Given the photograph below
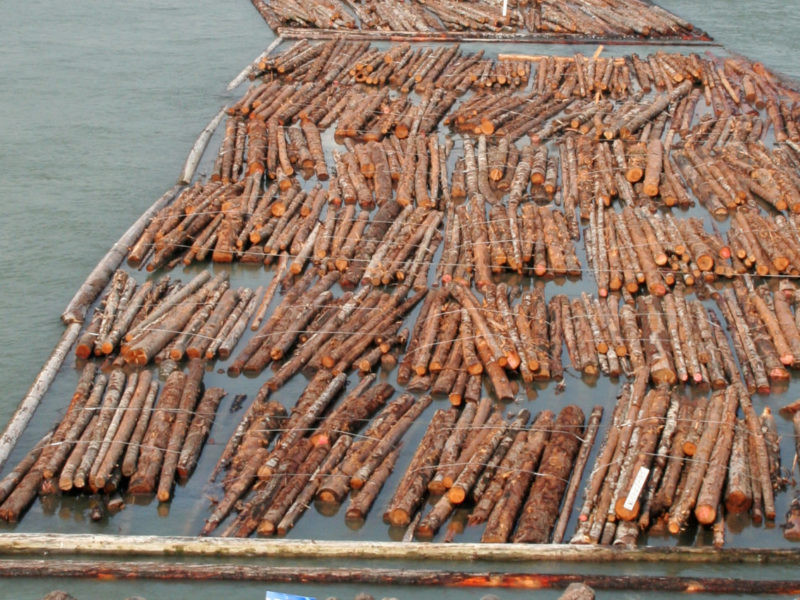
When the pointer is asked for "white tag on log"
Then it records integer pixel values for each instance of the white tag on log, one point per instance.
(636, 488)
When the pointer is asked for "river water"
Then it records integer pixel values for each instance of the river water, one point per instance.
(99, 104)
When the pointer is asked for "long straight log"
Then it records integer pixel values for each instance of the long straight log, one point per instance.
(541, 509)
(577, 473)
(185, 410)
(270, 573)
(155, 440)
(504, 514)
(27, 406)
(131, 456)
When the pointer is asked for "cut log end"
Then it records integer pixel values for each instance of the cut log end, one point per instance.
(779, 373)
(456, 495)
(705, 514)
(398, 518)
(436, 488)
(327, 497)
(626, 514)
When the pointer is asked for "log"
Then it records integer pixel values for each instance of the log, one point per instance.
(363, 500)
(196, 436)
(410, 491)
(489, 488)
(504, 515)
(649, 423)
(541, 509)
(266, 419)
(33, 397)
(472, 469)
(108, 410)
(82, 409)
(131, 456)
(156, 438)
(306, 495)
(577, 473)
(383, 447)
(359, 405)
(739, 495)
(687, 499)
(759, 461)
(319, 393)
(294, 484)
(10, 481)
(335, 486)
(237, 324)
(190, 395)
(309, 575)
(710, 493)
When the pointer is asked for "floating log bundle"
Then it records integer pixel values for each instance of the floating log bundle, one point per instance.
(586, 19)
(120, 433)
(415, 213)
(159, 320)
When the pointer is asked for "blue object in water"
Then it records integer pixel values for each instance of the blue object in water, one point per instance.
(281, 596)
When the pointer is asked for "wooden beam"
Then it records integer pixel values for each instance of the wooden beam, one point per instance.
(208, 547)
(462, 579)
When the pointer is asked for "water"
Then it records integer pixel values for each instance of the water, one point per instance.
(100, 104)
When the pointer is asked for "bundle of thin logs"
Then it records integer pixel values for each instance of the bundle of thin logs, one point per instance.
(457, 338)
(234, 218)
(334, 334)
(317, 452)
(257, 225)
(512, 474)
(160, 320)
(588, 18)
(118, 435)
(669, 460)
(731, 87)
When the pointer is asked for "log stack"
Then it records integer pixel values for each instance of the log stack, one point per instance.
(119, 433)
(593, 19)
(447, 260)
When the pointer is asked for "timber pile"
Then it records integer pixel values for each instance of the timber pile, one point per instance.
(118, 434)
(313, 455)
(162, 319)
(395, 219)
(590, 18)
(478, 458)
(667, 457)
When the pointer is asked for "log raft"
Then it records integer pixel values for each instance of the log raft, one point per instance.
(356, 257)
